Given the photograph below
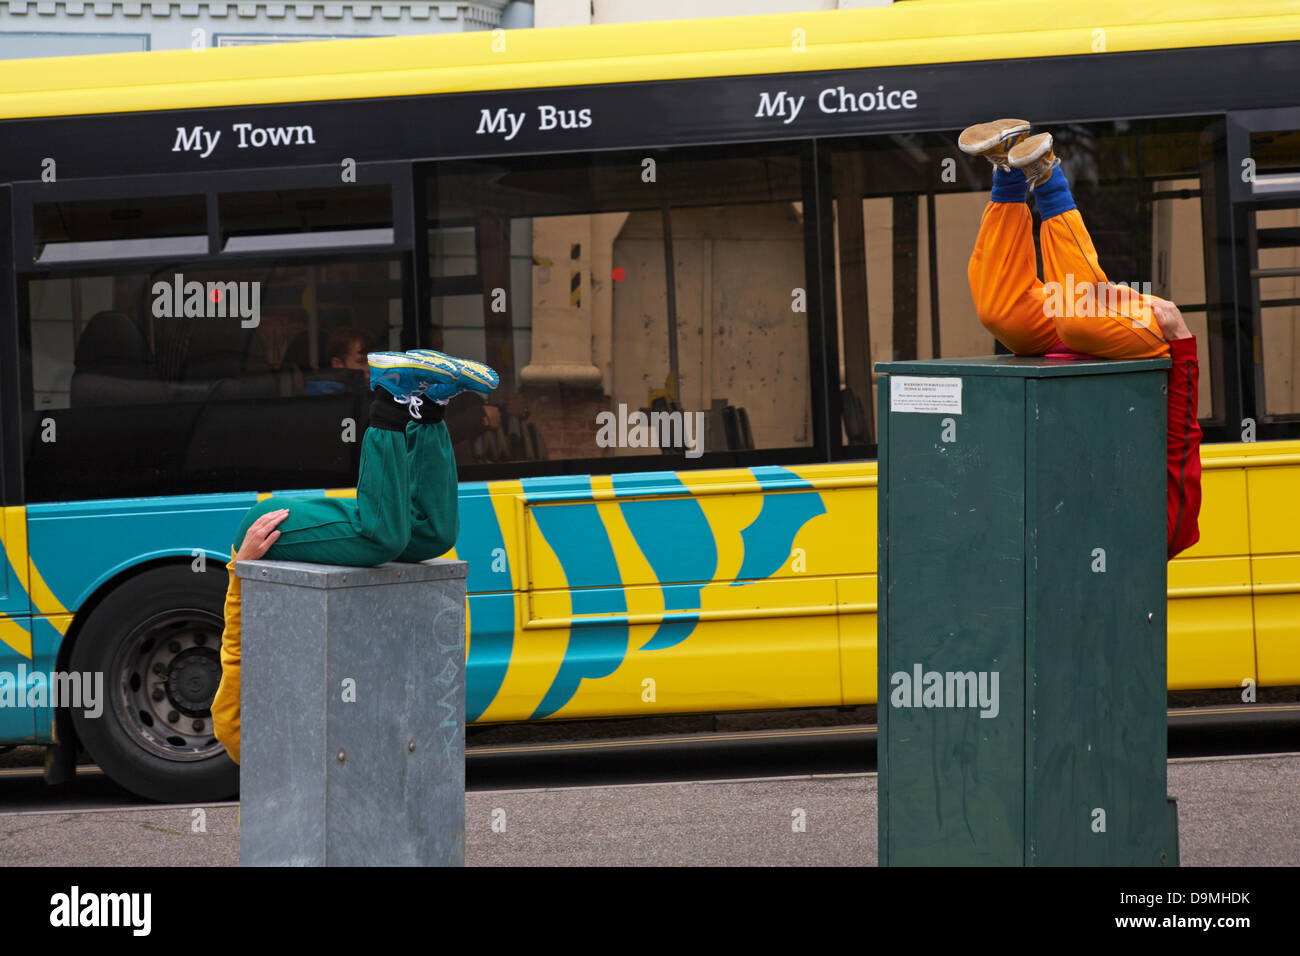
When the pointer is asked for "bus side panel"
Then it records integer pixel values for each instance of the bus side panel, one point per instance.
(1275, 570)
(76, 547)
(491, 649)
(676, 593)
(13, 562)
(858, 628)
(89, 690)
(17, 722)
(1211, 625)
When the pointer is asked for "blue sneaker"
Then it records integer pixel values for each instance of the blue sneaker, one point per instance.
(472, 376)
(407, 377)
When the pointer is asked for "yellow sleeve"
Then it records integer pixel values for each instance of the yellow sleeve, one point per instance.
(225, 705)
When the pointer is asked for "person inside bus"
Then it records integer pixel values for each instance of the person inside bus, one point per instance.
(348, 348)
(406, 506)
(1078, 313)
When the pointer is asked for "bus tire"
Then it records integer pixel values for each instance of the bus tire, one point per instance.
(156, 639)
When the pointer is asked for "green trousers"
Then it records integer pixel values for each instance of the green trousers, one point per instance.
(405, 508)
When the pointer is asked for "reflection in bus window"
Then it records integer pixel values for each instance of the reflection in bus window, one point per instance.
(907, 210)
(199, 376)
(556, 271)
(1277, 233)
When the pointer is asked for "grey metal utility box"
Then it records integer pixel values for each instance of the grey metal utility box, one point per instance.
(352, 714)
(1022, 542)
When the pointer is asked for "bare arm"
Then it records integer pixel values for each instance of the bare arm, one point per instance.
(1170, 320)
(261, 535)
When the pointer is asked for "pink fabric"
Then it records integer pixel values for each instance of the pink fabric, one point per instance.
(1062, 351)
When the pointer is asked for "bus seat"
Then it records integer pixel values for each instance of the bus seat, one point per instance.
(296, 356)
(111, 365)
(217, 349)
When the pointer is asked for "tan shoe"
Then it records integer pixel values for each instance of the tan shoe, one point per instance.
(1034, 158)
(993, 140)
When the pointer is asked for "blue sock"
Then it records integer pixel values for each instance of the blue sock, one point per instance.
(1009, 187)
(1053, 196)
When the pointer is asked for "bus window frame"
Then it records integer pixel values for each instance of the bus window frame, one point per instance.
(1243, 202)
(396, 175)
(11, 387)
(406, 178)
(25, 416)
(820, 448)
(1229, 355)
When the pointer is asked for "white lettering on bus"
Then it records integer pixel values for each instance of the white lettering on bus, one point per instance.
(497, 122)
(865, 102)
(769, 106)
(257, 137)
(567, 119)
(197, 139)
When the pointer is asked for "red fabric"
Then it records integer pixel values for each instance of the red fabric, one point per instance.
(1184, 462)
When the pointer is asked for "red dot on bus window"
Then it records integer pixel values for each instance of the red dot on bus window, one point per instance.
(619, 274)
(216, 295)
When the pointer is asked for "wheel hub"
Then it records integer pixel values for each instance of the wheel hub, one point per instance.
(192, 680)
(169, 671)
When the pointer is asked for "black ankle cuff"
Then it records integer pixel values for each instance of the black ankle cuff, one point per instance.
(387, 413)
(431, 413)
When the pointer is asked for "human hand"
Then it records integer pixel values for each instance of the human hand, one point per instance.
(1170, 320)
(261, 535)
(492, 416)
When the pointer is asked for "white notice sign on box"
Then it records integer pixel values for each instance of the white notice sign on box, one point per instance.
(910, 393)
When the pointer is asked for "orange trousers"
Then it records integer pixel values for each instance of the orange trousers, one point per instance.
(1076, 305)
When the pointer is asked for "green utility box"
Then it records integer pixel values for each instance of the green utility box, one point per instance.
(1022, 613)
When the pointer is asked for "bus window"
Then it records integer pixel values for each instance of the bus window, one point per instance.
(1275, 271)
(78, 230)
(1177, 237)
(555, 271)
(306, 218)
(1278, 238)
(907, 212)
(202, 377)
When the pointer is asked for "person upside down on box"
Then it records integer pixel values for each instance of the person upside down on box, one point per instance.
(1030, 317)
(406, 507)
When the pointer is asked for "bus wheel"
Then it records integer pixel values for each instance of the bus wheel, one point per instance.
(157, 641)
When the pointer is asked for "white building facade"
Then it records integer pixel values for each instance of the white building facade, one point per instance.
(39, 28)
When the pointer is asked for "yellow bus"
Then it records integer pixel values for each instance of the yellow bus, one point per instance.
(683, 245)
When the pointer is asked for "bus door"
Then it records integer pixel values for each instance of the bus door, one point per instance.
(16, 722)
(1264, 147)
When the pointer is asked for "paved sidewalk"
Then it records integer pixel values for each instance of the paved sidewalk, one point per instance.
(1232, 812)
